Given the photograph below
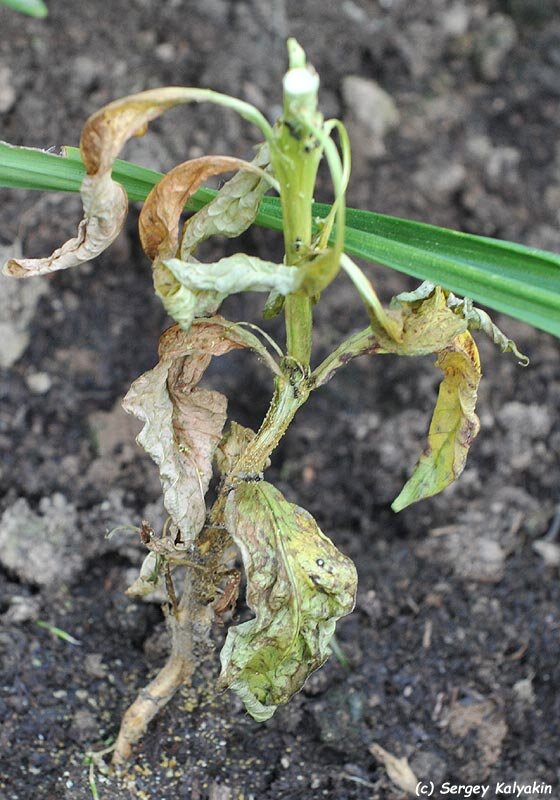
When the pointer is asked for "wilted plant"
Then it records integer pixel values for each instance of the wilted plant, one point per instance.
(298, 583)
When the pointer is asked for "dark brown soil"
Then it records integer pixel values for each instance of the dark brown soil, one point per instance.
(453, 649)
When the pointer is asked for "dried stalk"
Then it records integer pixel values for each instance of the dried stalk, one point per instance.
(189, 624)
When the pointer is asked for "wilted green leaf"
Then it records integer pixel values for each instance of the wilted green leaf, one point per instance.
(454, 424)
(299, 585)
(231, 211)
(183, 423)
(159, 233)
(237, 273)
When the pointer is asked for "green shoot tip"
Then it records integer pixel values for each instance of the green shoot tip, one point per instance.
(296, 54)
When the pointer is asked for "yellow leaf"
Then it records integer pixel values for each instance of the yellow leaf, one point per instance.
(428, 326)
(298, 585)
(454, 424)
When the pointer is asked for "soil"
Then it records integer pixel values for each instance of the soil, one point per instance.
(451, 657)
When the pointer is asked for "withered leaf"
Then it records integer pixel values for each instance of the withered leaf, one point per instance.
(232, 210)
(184, 423)
(398, 769)
(149, 578)
(159, 232)
(237, 273)
(422, 326)
(454, 423)
(479, 320)
(476, 318)
(232, 445)
(105, 208)
(161, 213)
(105, 202)
(299, 585)
(427, 325)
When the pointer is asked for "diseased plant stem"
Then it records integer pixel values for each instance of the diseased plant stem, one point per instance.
(190, 629)
(295, 159)
(295, 156)
(190, 621)
(290, 394)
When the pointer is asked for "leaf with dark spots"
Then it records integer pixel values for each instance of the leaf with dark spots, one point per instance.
(299, 585)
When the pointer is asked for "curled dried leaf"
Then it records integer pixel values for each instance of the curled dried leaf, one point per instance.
(299, 585)
(398, 769)
(159, 232)
(161, 213)
(105, 208)
(149, 579)
(184, 423)
(428, 325)
(107, 130)
(479, 320)
(105, 202)
(476, 318)
(232, 210)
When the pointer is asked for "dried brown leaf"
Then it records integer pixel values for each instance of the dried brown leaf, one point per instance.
(105, 208)
(159, 218)
(184, 423)
(105, 202)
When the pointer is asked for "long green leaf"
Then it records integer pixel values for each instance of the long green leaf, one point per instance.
(33, 8)
(520, 281)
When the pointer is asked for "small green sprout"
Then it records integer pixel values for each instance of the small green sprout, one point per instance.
(64, 635)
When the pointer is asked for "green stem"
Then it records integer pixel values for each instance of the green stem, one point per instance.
(295, 156)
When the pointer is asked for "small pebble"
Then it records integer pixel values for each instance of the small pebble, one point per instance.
(38, 382)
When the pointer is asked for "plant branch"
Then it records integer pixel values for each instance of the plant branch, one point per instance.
(189, 624)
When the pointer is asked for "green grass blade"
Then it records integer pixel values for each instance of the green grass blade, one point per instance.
(33, 8)
(64, 635)
(520, 281)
